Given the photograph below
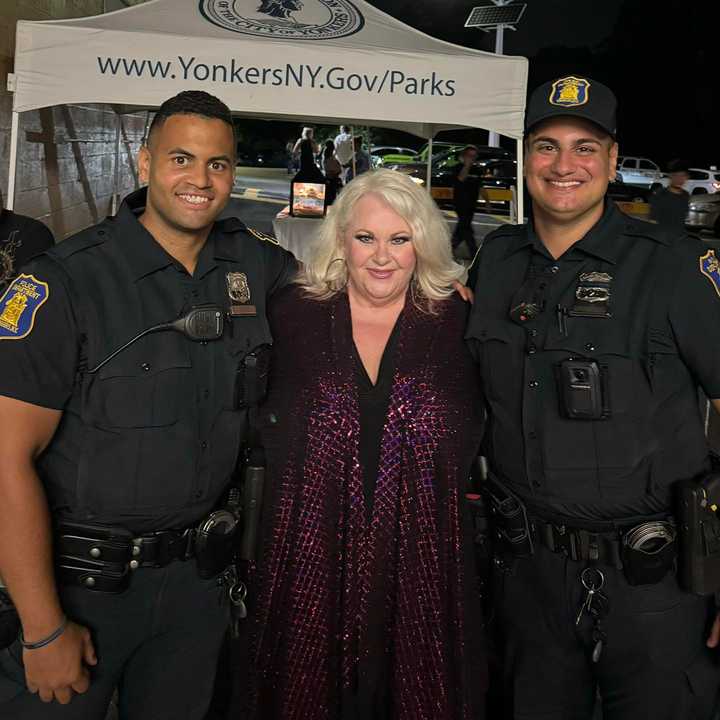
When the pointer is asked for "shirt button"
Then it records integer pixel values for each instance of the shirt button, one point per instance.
(532, 333)
(532, 435)
(533, 384)
(206, 394)
(204, 445)
(145, 367)
(589, 347)
(536, 483)
(198, 494)
(554, 269)
(532, 350)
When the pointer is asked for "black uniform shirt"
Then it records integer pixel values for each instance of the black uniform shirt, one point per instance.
(21, 238)
(670, 209)
(656, 347)
(149, 441)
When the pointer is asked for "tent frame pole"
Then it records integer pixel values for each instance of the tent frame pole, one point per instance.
(116, 179)
(12, 170)
(428, 173)
(519, 182)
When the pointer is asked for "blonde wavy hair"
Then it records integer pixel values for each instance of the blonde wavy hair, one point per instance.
(325, 273)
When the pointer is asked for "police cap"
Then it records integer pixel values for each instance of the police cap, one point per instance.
(573, 96)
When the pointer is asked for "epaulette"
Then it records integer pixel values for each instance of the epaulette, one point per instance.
(505, 231)
(262, 236)
(635, 227)
(85, 239)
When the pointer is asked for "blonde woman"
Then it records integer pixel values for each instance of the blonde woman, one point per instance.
(365, 606)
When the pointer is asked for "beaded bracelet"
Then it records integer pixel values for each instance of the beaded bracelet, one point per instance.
(45, 641)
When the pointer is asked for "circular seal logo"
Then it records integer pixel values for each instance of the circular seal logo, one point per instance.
(285, 19)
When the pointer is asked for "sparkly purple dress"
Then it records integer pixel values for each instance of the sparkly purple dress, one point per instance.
(357, 615)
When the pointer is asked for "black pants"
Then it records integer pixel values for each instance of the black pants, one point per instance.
(157, 643)
(464, 230)
(654, 664)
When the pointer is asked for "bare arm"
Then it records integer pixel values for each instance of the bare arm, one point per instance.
(26, 554)
(25, 548)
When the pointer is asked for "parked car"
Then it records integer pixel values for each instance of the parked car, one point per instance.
(640, 171)
(703, 181)
(446, 155)
(379, 152)
(499, 172)
(704, 213)
(621, 192)
(419, 156)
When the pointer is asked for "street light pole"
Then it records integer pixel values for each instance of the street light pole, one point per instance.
(500, 15)
(493, 137)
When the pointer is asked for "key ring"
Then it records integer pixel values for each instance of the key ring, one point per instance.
(237, 593)
(587, 584)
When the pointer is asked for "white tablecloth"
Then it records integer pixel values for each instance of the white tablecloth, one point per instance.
(295, 233)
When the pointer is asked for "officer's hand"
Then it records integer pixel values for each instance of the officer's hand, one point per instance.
(58, 669)
(714, 637)
(463, 291)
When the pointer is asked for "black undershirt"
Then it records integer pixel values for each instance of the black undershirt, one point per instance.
(373, 405)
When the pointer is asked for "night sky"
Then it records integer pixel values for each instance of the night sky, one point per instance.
(661, 57)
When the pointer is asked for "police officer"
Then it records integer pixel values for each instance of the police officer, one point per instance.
(113, 460)
(591, 333)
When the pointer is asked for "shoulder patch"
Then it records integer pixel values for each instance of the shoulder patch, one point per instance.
(19, 305)
(262, 236)
(710, 268)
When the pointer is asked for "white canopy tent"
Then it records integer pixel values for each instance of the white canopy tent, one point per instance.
(328, 61)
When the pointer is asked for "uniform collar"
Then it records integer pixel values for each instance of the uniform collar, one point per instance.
(148, 256)
(603, 240)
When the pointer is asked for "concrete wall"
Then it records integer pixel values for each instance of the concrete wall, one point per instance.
(66, 172)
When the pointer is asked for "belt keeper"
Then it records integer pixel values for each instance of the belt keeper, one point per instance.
(573, 545)
(188, 553)
(593, 548)
(548, 532)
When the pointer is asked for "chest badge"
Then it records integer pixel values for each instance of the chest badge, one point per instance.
(592, 295)
(239, 294)
(710, 268)
(19, 306)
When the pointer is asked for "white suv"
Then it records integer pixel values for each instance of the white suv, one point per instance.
(703, 181)
(639, 171)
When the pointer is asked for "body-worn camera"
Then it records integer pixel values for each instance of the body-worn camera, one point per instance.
(582, 389)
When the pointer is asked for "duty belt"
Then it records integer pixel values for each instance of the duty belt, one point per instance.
(101, 558)
(578, 544)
